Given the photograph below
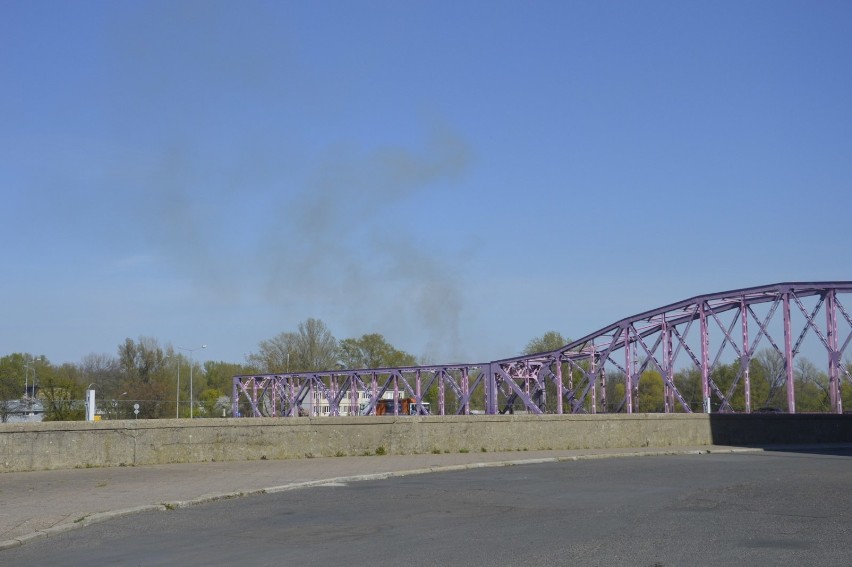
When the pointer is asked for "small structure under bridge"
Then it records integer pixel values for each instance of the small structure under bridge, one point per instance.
(803, 328)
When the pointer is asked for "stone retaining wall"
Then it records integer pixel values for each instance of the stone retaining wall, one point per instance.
(40, 446)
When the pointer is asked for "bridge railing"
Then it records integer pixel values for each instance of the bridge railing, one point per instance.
(737, 351)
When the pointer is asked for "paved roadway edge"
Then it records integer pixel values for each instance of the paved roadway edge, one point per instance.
(207, 498)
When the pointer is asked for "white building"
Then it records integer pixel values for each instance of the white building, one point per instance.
(24, 410)
(318, 404)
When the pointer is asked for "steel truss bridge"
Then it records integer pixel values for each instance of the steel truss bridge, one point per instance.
(804, 324)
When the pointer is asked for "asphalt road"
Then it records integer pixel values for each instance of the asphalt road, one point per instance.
(717, 509)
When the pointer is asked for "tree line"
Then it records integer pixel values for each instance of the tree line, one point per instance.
(157, 377)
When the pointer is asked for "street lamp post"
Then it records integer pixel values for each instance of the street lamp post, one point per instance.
(115, 405)
(27, 367)
(191, 350)
(177, 394)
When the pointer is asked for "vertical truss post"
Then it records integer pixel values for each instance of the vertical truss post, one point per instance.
(354, 406)
(745, 359)
(628, 371)
(255, 409)
(374, 390)
(277, 397)
(788, 355)
(637, 376)
(593, 374)
(668, 373)
(396, 394)
(559, 384)
(312, 394)
(490, 385)
(705, 357)
(418, 392)
(465, 388)
(333, 408)
(441, 392)
(833, 355)
(235, 400)
(604, 407)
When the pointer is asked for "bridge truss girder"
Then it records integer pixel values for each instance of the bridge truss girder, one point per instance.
(696, 334)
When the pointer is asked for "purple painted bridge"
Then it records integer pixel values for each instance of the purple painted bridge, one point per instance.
(798, 331)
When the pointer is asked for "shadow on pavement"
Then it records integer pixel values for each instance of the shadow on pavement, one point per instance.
(812, 433)
(833, 449)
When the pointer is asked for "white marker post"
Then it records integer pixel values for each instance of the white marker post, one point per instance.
(90, 405)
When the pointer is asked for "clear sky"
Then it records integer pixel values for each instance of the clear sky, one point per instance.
(460, 176)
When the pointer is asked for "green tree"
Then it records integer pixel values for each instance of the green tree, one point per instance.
(812, 391)
(615, 392)
(276, 354)
(726, 377)
(141, 360)
(316, 347)
(373, 351)
(60, 393)
(18, 370)
(688, 383)
(219, 375)
(551, 340)
(218, 385)
(104, 371)
(208, 401)
(312, 348)
(11, 384)
(651, 398)
(846, 388)
(146, 378)
(770, 379)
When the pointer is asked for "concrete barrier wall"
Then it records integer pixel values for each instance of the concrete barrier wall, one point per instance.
(40, 446)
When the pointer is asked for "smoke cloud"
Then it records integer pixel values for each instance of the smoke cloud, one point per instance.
(343, 244)
(250, 214)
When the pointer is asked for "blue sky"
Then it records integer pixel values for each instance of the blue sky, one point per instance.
(458, 176)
